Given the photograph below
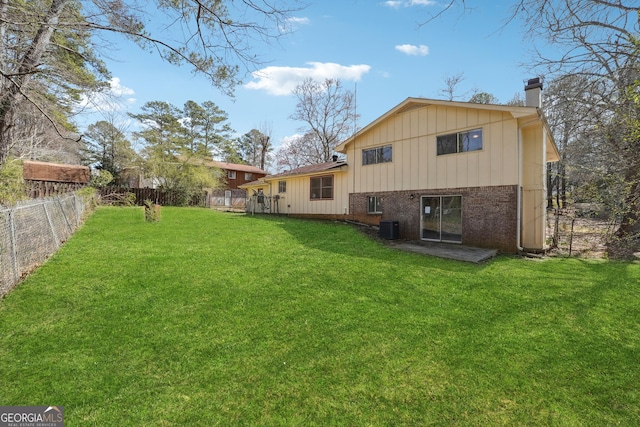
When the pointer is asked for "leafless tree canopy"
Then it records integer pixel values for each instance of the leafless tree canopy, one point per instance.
(328, 111)
(595, 62)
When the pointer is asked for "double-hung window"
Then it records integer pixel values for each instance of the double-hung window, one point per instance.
(231, 174)
(374, 205)
(372, 156)
(460, 142)
(321, 188)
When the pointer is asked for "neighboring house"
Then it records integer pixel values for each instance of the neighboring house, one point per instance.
(234, 175)
(46, 179)
(446, 171)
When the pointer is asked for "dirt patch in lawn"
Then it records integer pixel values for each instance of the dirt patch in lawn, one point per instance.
(580, 237)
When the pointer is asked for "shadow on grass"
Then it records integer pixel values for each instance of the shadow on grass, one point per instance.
(338, 237)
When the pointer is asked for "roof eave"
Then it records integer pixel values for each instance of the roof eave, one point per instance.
(340, 166)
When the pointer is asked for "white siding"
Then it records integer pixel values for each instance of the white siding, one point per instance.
(297, 199)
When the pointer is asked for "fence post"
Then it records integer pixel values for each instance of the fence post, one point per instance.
(76, 208)
(573, 220)
(53, 231)
(14, 247)
(64, 214)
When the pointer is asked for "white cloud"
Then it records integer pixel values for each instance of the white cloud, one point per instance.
(408, 3)
(288, 140)
(421, 3)
(283, 80)
(393, 4)
(118, 89)
(293, 23)
(413, 50)
(112, 99)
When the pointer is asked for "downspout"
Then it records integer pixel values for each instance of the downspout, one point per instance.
(519, 195)
(544, 182)
(270, 198)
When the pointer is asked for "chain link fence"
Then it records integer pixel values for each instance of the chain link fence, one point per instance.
(32, 231)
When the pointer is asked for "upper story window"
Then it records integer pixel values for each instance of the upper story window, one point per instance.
(248, 176)
(282, 186)
(372, 156)
(231, 174)
(460, 142)
(322, 187)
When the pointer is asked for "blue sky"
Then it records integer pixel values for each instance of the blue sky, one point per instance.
(377, 48)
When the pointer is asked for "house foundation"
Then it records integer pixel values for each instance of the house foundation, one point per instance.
(488, 214)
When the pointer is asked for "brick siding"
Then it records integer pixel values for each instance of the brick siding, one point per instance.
(489, 214)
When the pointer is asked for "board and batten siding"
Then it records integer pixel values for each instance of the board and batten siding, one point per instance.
(534, 189)
(416, 165)
(297, 199)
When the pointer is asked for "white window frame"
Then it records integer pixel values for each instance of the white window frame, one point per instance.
(322, 188)
(282, 186)
(231, 174)
(376, 203)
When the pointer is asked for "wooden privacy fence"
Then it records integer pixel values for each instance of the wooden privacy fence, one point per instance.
(41, 189)
(158, 197)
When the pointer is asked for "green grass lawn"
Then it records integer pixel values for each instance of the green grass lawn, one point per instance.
(209, 318)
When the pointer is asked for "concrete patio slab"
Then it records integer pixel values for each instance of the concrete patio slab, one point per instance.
(445, 250)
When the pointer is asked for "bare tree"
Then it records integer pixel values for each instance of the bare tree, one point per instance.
(264, 144)
(571, 116)
(328, 110)
(451, 83)
(517, 100)
(598, 41)
(301, 151)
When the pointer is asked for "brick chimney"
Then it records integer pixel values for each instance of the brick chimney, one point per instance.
(533, 93)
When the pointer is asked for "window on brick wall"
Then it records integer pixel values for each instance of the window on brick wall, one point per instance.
(374, 205)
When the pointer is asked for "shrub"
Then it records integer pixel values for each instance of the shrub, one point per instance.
(101, 178)
(151, 211)
(12, 187)
(90, 197)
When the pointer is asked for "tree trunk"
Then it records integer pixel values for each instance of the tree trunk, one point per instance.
(20, 80)
(631, 216)
(549, 186)
(563, 187)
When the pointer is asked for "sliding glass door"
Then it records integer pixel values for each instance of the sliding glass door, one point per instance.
(441, 218)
